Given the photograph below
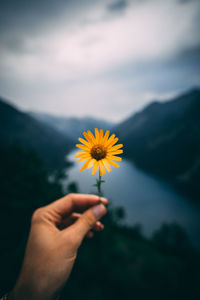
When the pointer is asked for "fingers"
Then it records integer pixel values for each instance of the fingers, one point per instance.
(90, 235)
(98, 226)
(88, 220)
(69, 220)
(75, 202)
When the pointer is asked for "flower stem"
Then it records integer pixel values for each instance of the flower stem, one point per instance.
(99, 181)
(99, 186)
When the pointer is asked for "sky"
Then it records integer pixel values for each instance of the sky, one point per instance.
(99, 58)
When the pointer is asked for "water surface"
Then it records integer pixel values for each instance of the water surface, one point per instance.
(147, 200)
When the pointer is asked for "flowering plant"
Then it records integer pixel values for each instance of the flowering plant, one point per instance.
(99, 153)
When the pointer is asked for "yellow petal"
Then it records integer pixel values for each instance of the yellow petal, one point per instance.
(84, 142)
(91, 163)
(111, 138)
(84, 153)
(112, 143)
(85, 165)
(105, 138)
(91, 136)
(88, 138)
(115, 152)
(80, 152)
(101, 168)
(84, 156)
(116, 147)
(112, 163)
(101, 136)
(106, 165)
(96, 164)
(112, 157)
(83, 159)
(97, 135)
(82, 147)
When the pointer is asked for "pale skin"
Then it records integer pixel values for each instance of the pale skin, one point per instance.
(57, 231)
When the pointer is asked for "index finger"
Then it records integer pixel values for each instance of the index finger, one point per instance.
(75, 202)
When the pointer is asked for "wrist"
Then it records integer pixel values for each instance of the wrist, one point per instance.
(24, 291)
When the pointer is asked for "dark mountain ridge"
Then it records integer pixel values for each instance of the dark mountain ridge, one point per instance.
(164, 139)
(19, 128)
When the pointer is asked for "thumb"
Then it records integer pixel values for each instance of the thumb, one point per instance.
(88, 219)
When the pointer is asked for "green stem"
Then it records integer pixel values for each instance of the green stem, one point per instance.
(99, 181)
(99, 186)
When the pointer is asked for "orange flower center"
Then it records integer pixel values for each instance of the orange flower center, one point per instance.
(98, 152)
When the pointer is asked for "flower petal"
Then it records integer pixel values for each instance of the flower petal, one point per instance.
(112, 143)
(86, 136)
(96, 164)
(112, 157)
(91, 163)
(97, 135)
(112, 163)
(111, 138)
(80, 152)
(84, 156)
(82, 146)
(105, 138)
(100, 136)
(85, 165)
(91, 136)
(84, 142)
(116, 147)
(115, 152)
(84, 153)
(101, 168)
(106, 165)
(83, 159)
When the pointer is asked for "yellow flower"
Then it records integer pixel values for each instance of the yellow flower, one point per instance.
(99, 151)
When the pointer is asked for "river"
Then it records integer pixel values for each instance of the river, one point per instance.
(147, 200)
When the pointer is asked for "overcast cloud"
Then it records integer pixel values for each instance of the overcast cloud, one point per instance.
(104, 58)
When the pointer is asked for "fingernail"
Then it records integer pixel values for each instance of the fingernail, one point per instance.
(103, 201)
(99, 210)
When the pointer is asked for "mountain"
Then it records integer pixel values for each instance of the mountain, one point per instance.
(20, 128)
(164, 139)
(72, 126)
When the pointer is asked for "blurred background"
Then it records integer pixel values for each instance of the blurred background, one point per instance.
(132, 67)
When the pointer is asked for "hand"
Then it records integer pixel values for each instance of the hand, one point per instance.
(56, 233)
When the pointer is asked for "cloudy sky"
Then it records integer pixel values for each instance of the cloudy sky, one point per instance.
(104, 58)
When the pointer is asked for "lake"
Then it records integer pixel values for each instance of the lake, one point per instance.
(147, 200)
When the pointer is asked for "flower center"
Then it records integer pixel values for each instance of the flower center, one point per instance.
(98, 152)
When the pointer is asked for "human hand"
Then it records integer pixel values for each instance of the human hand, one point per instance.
(56, 233)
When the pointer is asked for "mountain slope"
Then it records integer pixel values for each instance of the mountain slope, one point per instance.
(71, 126)
(164, 138)
(19, 128)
